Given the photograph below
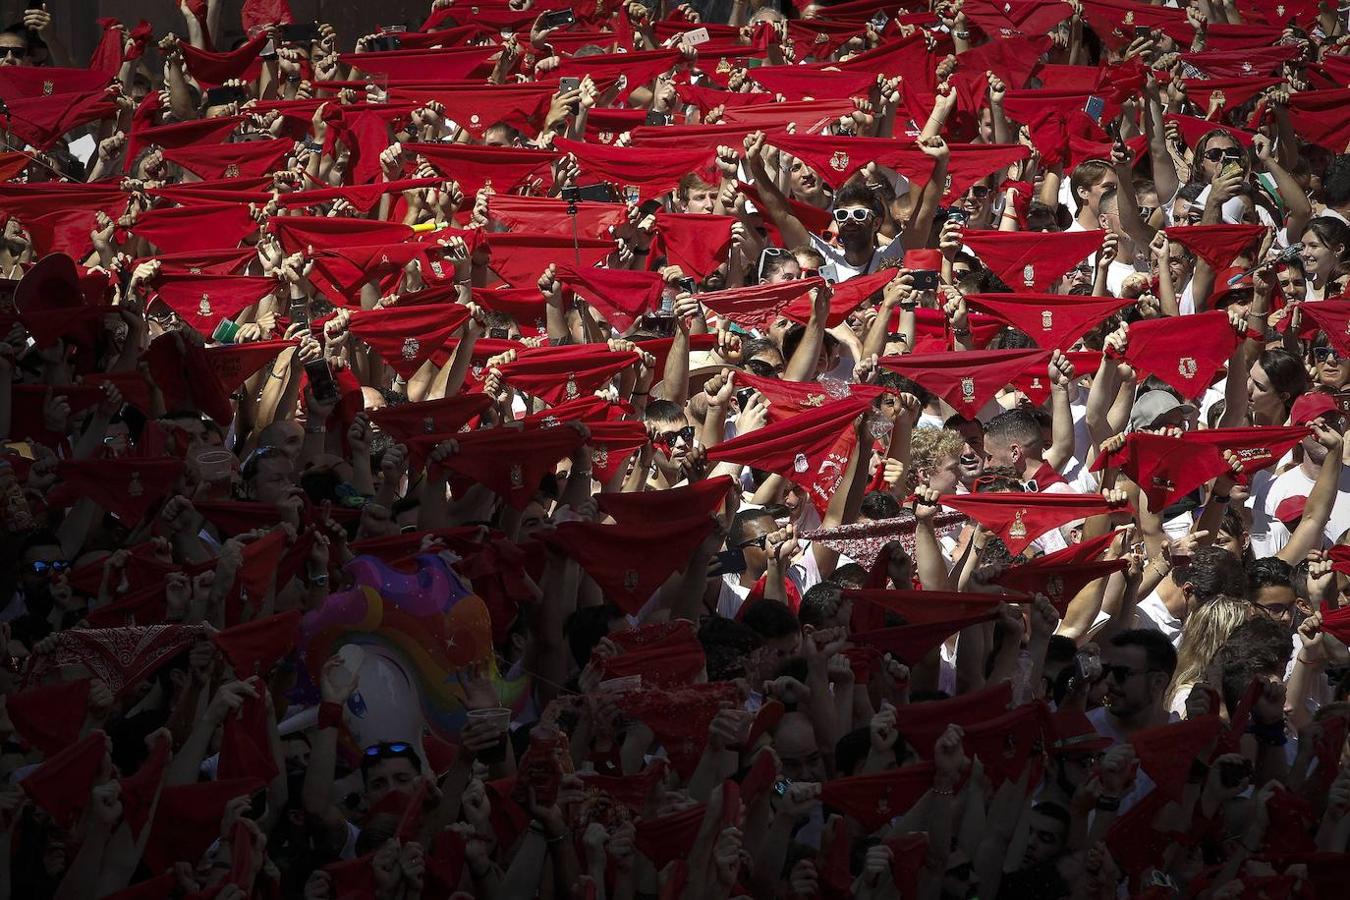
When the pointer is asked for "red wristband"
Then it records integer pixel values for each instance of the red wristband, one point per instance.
(330, 715)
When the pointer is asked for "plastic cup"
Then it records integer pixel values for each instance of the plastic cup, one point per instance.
(215, 465)
(225, 331)
(500, 717)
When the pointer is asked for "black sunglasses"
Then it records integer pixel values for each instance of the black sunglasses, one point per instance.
(15, 52)
(670, 437)
(389, 750)
(1214, 154)
(1325, 355)
(56, 566)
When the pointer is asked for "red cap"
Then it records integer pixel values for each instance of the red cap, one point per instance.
(696, 242)
(632, 561)
(1217, 245)
(621, 296)
(1053, 321)
(1069, 732)
(1184, 351)
(1032, 260)
(967, 380)
(873, 800)
(1290, 510)
(49, 717)
(254, 647)
(680, 718)
(62, 784)
(1311, 406)
(406, 336)
(1020, 518)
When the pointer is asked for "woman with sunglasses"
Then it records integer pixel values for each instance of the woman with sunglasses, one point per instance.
(1330, 370)
(1326, 257)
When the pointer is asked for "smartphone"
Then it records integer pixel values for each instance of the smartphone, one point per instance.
(1087, 667)
(744, 396)
(384, 43)
(696, 37)
(597, 193)
(879, 21)
(1231, 169)
(1142, 31)
(1094, 107)
(661, 326)
(498, 333)
(656, 118)
(830, 272)
(957, 215)
(686, 285)
(925, 279)
(557, 19)
(568, 84)
(298, 312)
(220, 96)
(300, 32)
(321, 380)
(780, 787)
(393, 29)
(728, 562)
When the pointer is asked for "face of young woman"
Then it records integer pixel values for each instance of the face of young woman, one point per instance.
(1319, 260)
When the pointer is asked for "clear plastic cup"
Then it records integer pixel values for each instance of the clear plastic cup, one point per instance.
(500, 717)
(215, 465)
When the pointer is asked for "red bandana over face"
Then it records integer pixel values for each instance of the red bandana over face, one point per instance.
(967, 381)
(1020, 518)
(1184, 351)
(1053, 321)
(632, 561)
(1032, 261)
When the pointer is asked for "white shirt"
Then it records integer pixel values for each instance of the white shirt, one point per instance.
(1152, 613)
(1296, 483)
(844, 270)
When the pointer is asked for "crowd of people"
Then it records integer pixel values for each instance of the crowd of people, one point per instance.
(873, 449)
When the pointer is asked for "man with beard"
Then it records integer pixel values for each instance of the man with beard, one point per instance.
(1137, 666)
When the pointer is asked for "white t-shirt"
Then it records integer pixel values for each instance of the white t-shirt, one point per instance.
(844, 270)
(1152, 613)
(1296, 483)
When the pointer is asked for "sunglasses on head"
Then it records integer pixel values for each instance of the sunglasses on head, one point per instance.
(767, 254)
(1214, 154)
(388, 750)
(856, 213)
(55, 567)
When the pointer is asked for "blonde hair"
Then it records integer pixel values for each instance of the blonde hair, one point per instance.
(1204, 632)
(927, 446)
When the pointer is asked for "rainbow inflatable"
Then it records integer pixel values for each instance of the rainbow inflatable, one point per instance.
(409, 636)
